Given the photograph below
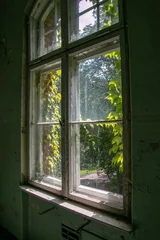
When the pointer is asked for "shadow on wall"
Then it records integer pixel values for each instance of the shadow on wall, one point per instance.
(5, 235)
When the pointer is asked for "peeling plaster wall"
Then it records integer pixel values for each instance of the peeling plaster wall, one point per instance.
(11, 15)
(19, 213)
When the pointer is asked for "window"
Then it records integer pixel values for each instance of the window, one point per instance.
(45, 22)
(88, 17)
(79, 105)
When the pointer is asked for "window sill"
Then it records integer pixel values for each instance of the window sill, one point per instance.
(85, 211)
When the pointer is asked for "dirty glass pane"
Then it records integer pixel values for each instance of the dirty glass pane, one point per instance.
(99, 148)
(108, 14)
(84, 5)
(87, 23)
(49, 91)
(48, 155)
(50, 29)
(89, 16)
(98, 93)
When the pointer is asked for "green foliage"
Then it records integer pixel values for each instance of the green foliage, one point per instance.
(86, 171)
(108, 15)
(95, 74)
(101, 146)
(51, 142)
(95, 143)
(110, 10)
(114, 95)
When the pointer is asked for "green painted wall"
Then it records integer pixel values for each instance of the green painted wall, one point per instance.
(19, 213)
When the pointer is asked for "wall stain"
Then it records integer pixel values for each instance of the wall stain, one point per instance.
(143, 188)
(148, 190)
(16, 214)
(155, 146)
(158, 177)
(23, 130)
(5, 58)
(2, 207)
(152, 147)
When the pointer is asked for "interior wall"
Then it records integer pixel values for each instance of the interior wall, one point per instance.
(20, 213)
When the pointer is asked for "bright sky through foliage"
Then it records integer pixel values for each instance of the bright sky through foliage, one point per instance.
(87, 18)
(83, 5)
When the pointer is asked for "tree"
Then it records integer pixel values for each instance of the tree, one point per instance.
(111, 157)
(107, 16)
(101, 144)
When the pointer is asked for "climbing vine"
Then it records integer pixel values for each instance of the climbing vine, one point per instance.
(51, 99)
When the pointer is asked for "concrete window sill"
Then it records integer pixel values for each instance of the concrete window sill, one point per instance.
(85, 211)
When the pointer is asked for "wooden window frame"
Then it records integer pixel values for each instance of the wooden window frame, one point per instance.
(68, 49)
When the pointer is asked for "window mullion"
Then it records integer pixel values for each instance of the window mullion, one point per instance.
(64, 132)
(74, 132)
(64, 23)
(64, 127)
(31, 127)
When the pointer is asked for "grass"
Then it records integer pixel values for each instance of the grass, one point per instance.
(85, 172)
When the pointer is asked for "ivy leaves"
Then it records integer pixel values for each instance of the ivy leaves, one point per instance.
(51, 98)
(114, 96)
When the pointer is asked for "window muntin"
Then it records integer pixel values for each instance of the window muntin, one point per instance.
(45, 125)
(68, 118)
(87, 17)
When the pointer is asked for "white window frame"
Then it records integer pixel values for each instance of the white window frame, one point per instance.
(76, 189)
(67, 50)
(42, 49)
(34, 122)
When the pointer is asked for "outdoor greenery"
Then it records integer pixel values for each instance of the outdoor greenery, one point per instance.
(101, 147)
(101, 144)
(50, 106)
(85, 172)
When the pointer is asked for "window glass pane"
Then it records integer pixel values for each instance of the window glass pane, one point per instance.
(108, 14)
(84, 22)
(98, 94)
(87, 23)
(84, 5)
(50, 29)
(45, 129)
(50, 96)
(99, 149)
(101, 156)
(98, 169)
(48, 155)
